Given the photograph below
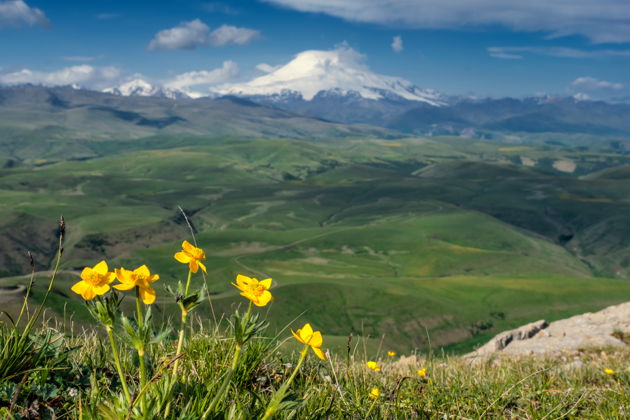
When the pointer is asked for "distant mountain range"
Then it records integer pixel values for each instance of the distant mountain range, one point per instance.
(139, 87)
(70, 123)
(335, 86)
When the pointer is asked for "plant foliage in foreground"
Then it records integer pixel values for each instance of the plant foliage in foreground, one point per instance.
(134, 369)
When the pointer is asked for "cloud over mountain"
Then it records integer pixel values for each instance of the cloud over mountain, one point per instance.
(182, 81)
(601, 21)
(195, 34)
(84, 75)
(591, 83)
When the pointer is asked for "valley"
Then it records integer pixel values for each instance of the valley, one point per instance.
(437, 241)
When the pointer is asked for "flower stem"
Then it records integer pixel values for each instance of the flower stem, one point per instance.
(140, 349)
(280, 393)
(32, 320)
(226, 381)
(180, 341)
(188, 281)
(117, 362)
(371, 408)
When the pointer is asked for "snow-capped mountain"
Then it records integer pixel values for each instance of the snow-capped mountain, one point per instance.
(139, 87)
(339, 72)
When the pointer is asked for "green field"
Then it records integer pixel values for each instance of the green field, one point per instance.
(442, 241)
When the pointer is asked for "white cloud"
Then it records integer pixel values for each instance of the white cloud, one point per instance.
(84, 75)
(593, 84)
(193, 34)
(581, 96)
(600, 21)
(219, 7)
(397, 44)
(266, 68)
(229, 71)
(78, 58)
(228, 34)
(500, 52)
(517, 52)
(18, 13)
(185, 36)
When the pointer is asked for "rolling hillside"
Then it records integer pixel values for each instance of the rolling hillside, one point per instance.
(399, 237)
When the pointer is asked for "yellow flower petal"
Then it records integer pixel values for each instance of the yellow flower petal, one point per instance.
(194, 265)
(374, 393)
(147, 294)
(88, 293)
(109, 277)
(101, 268)
(319, 353)
(87, 274)
(124, 276)
(316, 339)
(306, 332)
(263, 299)
(243, 281)
(101, 290)
(124, 286)
(80, 287)
(203, 267)
(373, 366)
(188, 247)
(142, 271)
(182, 257)
(266, 283)
(297, 337)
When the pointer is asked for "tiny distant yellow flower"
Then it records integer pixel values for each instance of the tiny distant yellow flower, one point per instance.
(192, 256)
(422, 372)
(314, 339)
(94, 281)
(391, 353)
(374, 366)
(140, 277)
(375, 393)
(254, 290)
(609, 371)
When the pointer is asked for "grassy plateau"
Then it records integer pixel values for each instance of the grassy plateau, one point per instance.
(414, 246)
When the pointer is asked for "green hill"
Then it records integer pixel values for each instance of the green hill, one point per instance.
(403, 237)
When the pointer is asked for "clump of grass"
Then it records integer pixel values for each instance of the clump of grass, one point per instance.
(622, 336)
(132, 368)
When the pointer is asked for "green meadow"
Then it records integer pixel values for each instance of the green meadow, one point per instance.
(410, 243)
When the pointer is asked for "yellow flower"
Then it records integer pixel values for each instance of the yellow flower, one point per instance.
(94, 281)
(391, 353)
(609, 371)
(374, 366)
(422, 372)
(254, 290)
(375, 393)
(140, 277)
(192, 256)
(314, 339)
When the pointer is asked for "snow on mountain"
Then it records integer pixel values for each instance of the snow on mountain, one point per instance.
(139, 87)
(340, 71)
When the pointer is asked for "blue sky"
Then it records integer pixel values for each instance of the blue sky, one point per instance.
(468, 47)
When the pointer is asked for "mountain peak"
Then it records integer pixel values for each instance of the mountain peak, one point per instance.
(341, 71)
(140, 87)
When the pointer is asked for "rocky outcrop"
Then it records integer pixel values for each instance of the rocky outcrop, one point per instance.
(606, 328)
